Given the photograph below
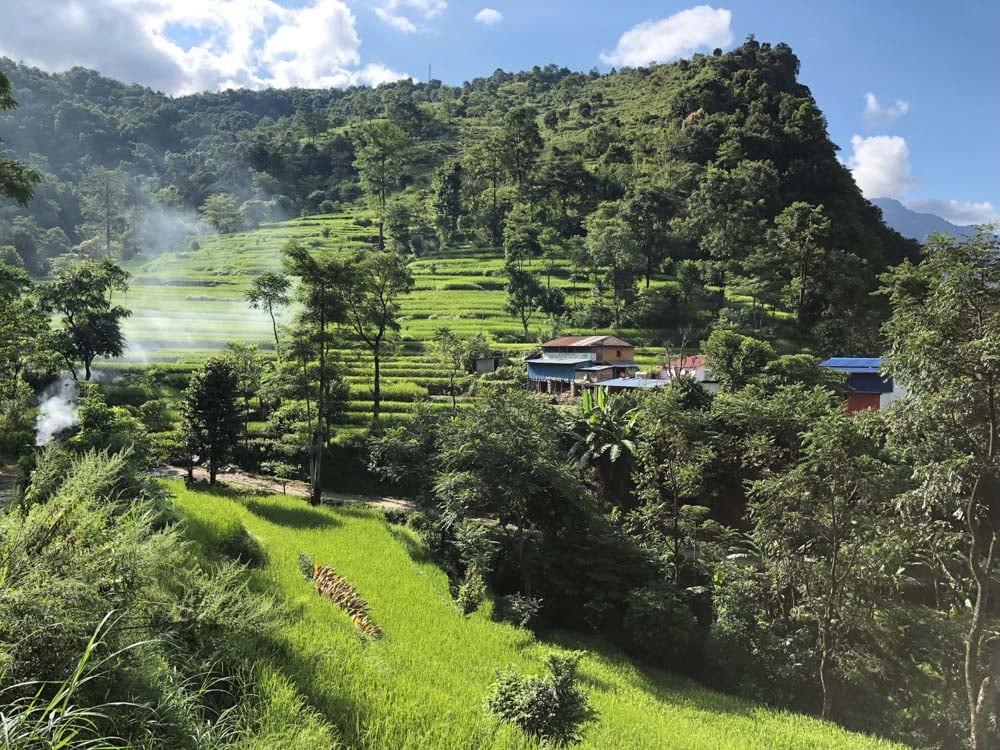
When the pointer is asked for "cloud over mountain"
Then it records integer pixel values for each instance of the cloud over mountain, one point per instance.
(683, 33)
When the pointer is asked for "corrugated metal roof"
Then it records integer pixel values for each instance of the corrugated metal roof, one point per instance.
(587, 341)
(853, 364)
(598, 367)
(692, 362)
(633, 383)
(547, 361)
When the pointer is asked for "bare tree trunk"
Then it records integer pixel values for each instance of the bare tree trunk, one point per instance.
(377, 396)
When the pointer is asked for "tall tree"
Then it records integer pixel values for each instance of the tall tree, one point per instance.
(520, 143)
(485, 165)
(321, 295)
(944, 349)
(799, 233)
(729, 210)
(211, 416)
(382, 153)
(268, 291)
(103, 197)
(16, 180)
(81, 293)
(448, 198)
(525, 295)
(451, 352)
(611, 242)
(222, 211)
(648, 210)
(824, 529)
(372, 298)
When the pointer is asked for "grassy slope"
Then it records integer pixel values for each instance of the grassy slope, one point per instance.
(423, 685)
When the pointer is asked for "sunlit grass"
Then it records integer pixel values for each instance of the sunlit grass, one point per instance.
(423, 684)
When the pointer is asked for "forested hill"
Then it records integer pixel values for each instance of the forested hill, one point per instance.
(699, 157)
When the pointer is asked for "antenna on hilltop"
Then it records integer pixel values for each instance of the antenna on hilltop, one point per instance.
(428, 72)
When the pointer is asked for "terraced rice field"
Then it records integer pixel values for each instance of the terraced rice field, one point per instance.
(188, 303)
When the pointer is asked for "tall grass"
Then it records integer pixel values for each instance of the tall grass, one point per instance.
(425, 682)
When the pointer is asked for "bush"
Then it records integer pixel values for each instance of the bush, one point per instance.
(471, 592)
(552, 709)
(240, 545)
(659, 624)
(519, 610)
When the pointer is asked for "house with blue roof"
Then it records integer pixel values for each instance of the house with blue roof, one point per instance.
(572, 362)
(869, 387)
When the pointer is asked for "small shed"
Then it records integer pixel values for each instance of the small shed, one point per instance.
(486, 365)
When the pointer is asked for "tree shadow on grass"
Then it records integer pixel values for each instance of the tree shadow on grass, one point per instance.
(416, 550)
(668, 687)
(296, 517)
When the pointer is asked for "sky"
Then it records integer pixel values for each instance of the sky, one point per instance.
(909, 87)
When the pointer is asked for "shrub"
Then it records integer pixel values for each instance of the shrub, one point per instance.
(552, 709)
(519, 610)
(240, 545)
(471, 592)
(659, 623)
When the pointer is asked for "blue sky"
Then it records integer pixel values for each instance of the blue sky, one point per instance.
(929, 137)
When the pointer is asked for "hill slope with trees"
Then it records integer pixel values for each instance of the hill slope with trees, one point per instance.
(720, 161)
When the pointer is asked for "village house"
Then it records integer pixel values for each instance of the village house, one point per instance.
(693, 366)
(571, 362)
(869, 389)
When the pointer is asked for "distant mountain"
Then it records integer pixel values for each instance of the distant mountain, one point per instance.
(918, 226)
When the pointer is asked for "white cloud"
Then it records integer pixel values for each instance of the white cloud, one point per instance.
(958, 212)
(875, 114)
(400, 23)
(391, 11)
(488, 17)
(182, 46)
(702, 27)
(881, 165)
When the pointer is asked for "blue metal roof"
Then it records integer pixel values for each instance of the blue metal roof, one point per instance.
(560, 362)
(853, 364)
(632, 383)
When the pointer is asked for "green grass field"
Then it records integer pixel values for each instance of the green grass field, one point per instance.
(424, 683)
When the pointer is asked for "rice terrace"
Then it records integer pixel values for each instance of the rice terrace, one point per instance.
(369, 395)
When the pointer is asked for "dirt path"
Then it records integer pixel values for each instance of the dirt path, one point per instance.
(301, 489)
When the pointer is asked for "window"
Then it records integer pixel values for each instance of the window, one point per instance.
(618, 354)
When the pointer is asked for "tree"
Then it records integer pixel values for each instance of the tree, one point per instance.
(382, 154)
(448, 198)
(248, 365)
(520, 236)
(944, 349)
(485, 165)
(799, 232)
(102, 198)
(323, 305)
(81, 294)
(524, 296)
(451, 352)
(736, 359)
(377, 281)
(268, 291)
(16, 180)
(211, 417)
(729, 210)
(611, 242)
(824, 529)
(648, 211)
(520, 143)
(222, 211)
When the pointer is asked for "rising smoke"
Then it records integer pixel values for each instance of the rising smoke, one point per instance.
(56, 410)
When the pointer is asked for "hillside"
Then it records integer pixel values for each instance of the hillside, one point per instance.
(423, 684)
(698, 158)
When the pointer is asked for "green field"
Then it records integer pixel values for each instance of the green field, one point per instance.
(424, 683)
(188, 303)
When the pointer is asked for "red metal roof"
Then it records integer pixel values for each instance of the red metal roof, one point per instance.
(586, 341)
(687, 363)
